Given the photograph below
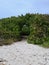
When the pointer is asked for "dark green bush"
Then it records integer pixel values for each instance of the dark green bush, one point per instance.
(38, 31)
(25, 30)
(35, 26)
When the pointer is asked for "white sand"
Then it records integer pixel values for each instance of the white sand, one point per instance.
(21, 53)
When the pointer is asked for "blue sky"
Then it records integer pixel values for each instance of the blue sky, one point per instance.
(17, 7)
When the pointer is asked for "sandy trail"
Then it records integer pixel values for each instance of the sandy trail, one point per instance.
(21, 53)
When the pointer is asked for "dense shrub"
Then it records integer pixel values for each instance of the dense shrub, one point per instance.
(25, 30)
(39, 30)
(35, 26)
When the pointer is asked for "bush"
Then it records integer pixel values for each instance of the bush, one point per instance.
(35, 26)
(38, 31)
(25, 30)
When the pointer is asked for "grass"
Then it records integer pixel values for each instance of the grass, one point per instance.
(6, 42)
(10, 41)
(45, 45)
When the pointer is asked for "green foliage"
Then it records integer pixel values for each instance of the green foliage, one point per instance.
(6, 42)
(35, 26)
(39, 30)
(25, 30)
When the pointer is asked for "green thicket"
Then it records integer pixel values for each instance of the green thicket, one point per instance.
(35, 26)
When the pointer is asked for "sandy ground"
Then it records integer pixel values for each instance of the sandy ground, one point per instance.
(21, 53)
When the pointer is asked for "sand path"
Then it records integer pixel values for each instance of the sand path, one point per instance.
(21, 53)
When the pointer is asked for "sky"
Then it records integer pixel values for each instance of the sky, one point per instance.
(17, 7)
